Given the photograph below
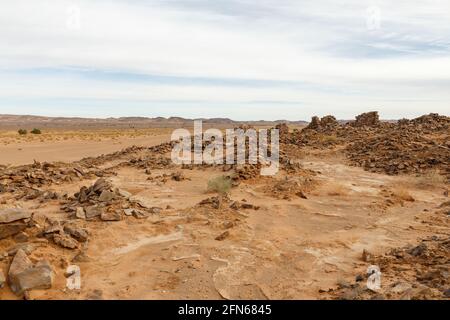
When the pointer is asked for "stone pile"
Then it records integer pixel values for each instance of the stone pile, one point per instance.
(367, 119)
(325, 123)
(66, 234)
(103, 202)
(399, 152)
(29, 177)
(429, 123)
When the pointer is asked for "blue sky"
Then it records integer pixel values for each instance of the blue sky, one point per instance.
(267, 59)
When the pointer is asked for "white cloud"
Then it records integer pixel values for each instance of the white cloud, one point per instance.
(325, 45)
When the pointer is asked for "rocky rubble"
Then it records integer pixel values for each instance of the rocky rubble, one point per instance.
(26, 179)
(399, 152)
(101, 201)
(290, 187)
(412, 272)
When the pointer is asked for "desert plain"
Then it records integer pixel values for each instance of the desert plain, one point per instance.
(109, 200)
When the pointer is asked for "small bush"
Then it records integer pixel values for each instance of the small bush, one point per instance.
(403, 194)
(22, 131)
(35, 131)
(221, 185)
(336, 189)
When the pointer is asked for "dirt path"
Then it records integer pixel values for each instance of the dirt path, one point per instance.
(70, 150)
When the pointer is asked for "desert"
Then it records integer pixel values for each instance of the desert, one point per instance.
(109, 201)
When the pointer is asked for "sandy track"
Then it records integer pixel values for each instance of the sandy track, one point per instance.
(70, 150)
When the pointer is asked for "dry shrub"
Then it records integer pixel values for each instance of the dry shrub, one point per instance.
(220, 184)
(328, 139)
(402, 194)
(335, 189)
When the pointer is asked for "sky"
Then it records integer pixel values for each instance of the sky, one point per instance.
(245, 60)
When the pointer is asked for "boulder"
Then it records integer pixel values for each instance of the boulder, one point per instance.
(21, 237)
(138, 214)
(80, 214)
(128, 212)
(19, 264)
(92, 212)
(75, 231)
(13, 214)
(11, 229)
(106, 196)
(111, 216)
(100, 185)
(25, 276)
(65, 241)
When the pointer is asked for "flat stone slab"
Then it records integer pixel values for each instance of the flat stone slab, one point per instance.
(13, 214)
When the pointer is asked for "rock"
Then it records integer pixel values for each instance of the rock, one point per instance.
(128, 212)
(314, 124)
(13, 214)
(349, 294)
(401, 287)
(155, 210)
(78, 233)
(124, 193)
(2, 279)
(343, 284)
(81, 257)
(19, 264)
(111, 216)
(65, 241)
(37, 277)
(419, 250)
(178, 176)
(359, 278)
(100, 185)
(106, 196)
(138, 214)
(53, 227)
(95, 295)
(11, 229)
(21, 237)
(420, 292)
(223, 236)
(366, 256)
(446, 293)
(28, 248)
(92, 212)
(80, 214)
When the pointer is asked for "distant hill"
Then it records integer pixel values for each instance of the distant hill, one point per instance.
(8, 121)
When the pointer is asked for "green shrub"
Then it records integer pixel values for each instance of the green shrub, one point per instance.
(35, 131)
(22, 131)
(221, 185)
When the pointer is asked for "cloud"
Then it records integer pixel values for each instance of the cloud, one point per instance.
(235, 53)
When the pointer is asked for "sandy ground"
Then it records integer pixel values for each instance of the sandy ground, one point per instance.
(288, 249)
(24, 152)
